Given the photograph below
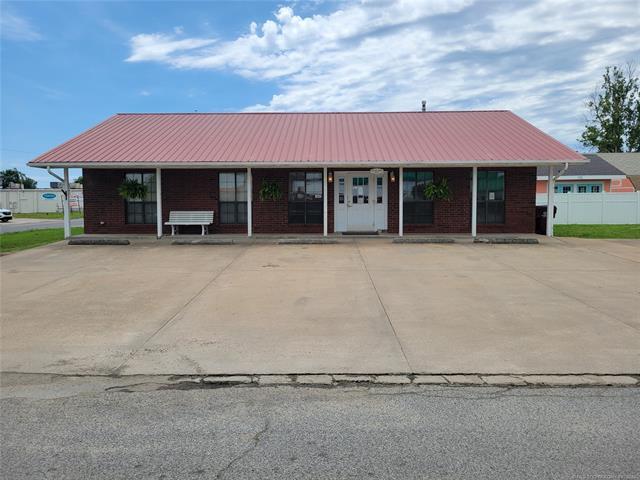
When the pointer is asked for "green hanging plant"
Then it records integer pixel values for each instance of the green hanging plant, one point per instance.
(438, 190)
(131, 189)
(269, 191)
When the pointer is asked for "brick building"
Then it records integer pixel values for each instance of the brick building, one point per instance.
(327, 172)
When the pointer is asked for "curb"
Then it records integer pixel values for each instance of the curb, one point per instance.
(423, 240)
(506, 240)
(98, 241)
(494, 380)
(307, 241)
(204, 241)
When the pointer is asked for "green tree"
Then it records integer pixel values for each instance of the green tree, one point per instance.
(13, 175)
(614, 112)
(78, 180)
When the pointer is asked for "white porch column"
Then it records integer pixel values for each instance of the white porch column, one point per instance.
(65, 205)
(474, 203)
(159, 202)
(325, 203)
(249, 200)
(401, 202)
(551, 185)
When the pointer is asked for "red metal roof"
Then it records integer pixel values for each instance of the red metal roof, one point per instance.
(478, 137)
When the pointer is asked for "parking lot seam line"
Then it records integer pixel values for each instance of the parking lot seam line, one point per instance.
(556, 289)
(46, 284)
(180, 310)
(64, 276)
(591, 249)
(384, 309)
(586, 247)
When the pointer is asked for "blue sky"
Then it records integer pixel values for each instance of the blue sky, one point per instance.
(68, 65)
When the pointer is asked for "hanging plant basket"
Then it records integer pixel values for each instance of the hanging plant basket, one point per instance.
(269, 191)
(438, 190)
(132, 189)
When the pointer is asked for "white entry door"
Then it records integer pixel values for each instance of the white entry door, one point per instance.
(360, 203)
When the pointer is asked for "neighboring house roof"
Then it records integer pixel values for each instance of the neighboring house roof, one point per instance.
(465, 137)
(597, 167)
(628, 163)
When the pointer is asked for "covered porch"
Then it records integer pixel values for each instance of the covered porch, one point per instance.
(314, 173)
(322, 200)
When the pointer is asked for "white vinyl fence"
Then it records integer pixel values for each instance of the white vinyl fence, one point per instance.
(40, 200)
(595, 208)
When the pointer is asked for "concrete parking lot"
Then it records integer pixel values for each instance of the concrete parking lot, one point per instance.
(564, 306)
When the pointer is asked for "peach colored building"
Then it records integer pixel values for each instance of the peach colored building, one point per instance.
(628, 163)
(596, 176)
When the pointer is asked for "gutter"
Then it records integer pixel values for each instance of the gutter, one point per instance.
(289, 164)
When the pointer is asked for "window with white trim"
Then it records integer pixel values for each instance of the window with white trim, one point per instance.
(233, 197)
(571, 187)
(417, 208)
(490, 197)
(305, 198)
(142, 210)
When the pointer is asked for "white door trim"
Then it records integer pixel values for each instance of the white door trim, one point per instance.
(341, 210)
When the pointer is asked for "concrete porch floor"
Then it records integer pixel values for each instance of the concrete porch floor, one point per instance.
(366, 306)
(331, 238)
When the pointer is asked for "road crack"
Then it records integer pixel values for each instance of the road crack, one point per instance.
(255, 440)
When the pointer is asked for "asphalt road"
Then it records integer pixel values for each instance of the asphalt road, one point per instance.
(57, 427)
(23, 224)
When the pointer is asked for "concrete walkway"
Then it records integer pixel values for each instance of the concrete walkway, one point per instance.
(562, 307)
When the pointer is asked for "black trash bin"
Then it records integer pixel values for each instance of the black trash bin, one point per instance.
(541, 219)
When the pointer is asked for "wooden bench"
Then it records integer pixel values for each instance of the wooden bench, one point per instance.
(202, 218)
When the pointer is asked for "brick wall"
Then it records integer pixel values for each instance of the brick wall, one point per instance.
(197, 189)
(192, 189)
(188, 189)
(453, 216)
(272, 216)
(520, 202)
(104, 209)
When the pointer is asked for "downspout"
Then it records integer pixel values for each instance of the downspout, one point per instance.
(65, 200)
(59, 178)
(561, 172)
(551, 181)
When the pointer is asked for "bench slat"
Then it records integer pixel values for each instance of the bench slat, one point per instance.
(195, 217)
(187, 223)
(192, 217)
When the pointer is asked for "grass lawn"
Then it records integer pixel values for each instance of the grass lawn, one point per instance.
(45, 216)
(597, 231)
(15, 241)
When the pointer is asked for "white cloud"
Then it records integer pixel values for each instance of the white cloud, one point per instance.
(17, 28)
(540, 58)
(161, 47)
(144, 93)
